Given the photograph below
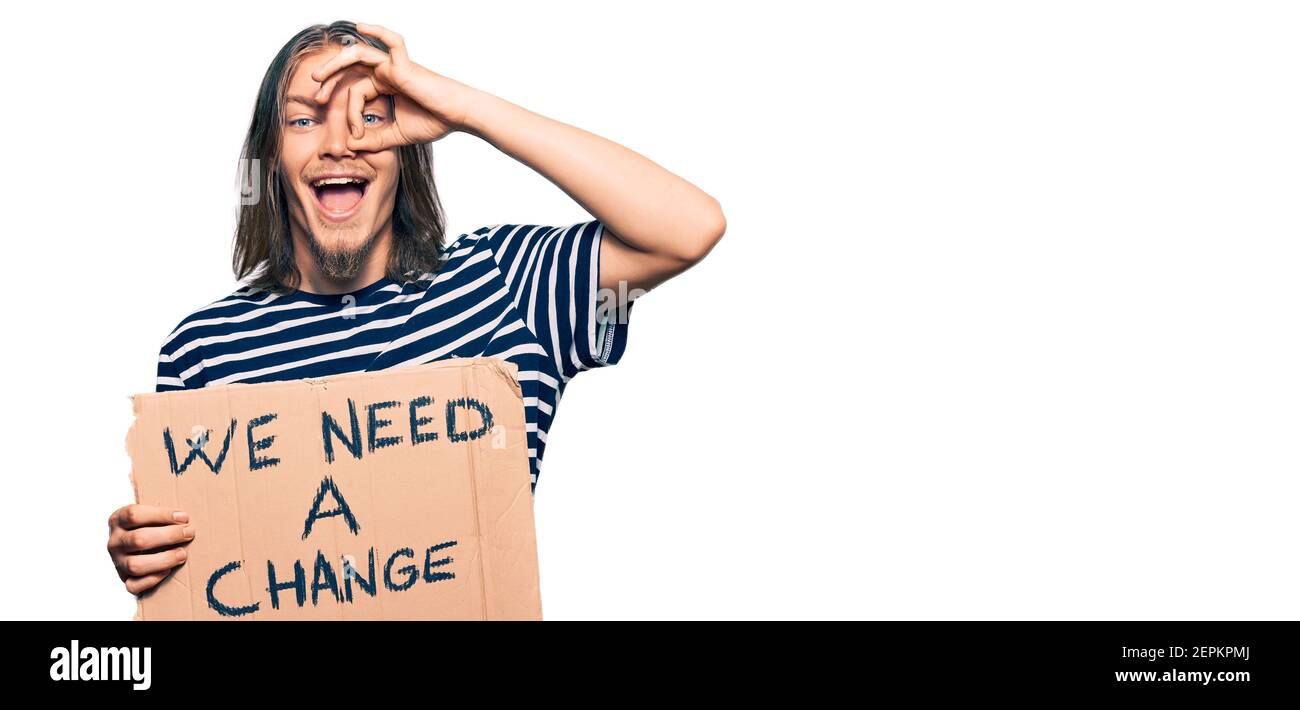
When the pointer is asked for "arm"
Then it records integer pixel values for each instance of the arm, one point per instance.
(660, 224)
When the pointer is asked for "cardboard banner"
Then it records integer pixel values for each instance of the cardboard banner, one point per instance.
(401, 494)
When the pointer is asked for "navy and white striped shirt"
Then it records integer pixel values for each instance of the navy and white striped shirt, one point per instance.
(528, 294)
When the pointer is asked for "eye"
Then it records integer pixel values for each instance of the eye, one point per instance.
(298, 122)
(369, 116)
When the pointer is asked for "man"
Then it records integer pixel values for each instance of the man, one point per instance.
(341, 241)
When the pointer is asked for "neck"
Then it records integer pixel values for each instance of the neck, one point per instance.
(314, 280)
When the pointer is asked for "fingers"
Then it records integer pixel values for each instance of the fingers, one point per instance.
(146, 564)
(327, 88)
(352, 54)
(396, 45)
(137, 528)
(150, 538)
(359, 92)
(138, 585)
(137, 515)
(375, 140)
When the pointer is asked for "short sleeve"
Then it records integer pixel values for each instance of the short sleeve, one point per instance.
(553, 276)
(169, 376)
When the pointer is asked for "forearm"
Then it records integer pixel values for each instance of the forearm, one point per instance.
(649, 208)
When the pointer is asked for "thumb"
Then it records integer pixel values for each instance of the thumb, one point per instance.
(376, 139)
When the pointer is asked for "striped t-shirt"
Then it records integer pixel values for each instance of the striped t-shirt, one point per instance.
(525, 293)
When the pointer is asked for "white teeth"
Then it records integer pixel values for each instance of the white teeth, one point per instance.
(337, 181)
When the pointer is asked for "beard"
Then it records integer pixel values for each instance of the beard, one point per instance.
(341, 264)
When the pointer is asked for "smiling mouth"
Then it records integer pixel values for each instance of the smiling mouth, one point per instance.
(339, 197)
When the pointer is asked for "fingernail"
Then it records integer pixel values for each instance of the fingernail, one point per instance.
(180, 517)
(183, 555)
(188, 531)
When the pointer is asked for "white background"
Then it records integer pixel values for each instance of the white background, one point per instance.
(1004, 324)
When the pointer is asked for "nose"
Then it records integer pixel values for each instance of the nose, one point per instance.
(334, 137)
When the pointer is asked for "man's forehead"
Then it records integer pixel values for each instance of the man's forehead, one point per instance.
(301, 79)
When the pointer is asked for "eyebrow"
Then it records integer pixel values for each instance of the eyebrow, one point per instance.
(301, 100)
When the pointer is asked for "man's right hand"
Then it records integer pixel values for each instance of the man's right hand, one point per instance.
(146, 542)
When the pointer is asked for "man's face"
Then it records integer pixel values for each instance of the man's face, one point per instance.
(340, 201)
